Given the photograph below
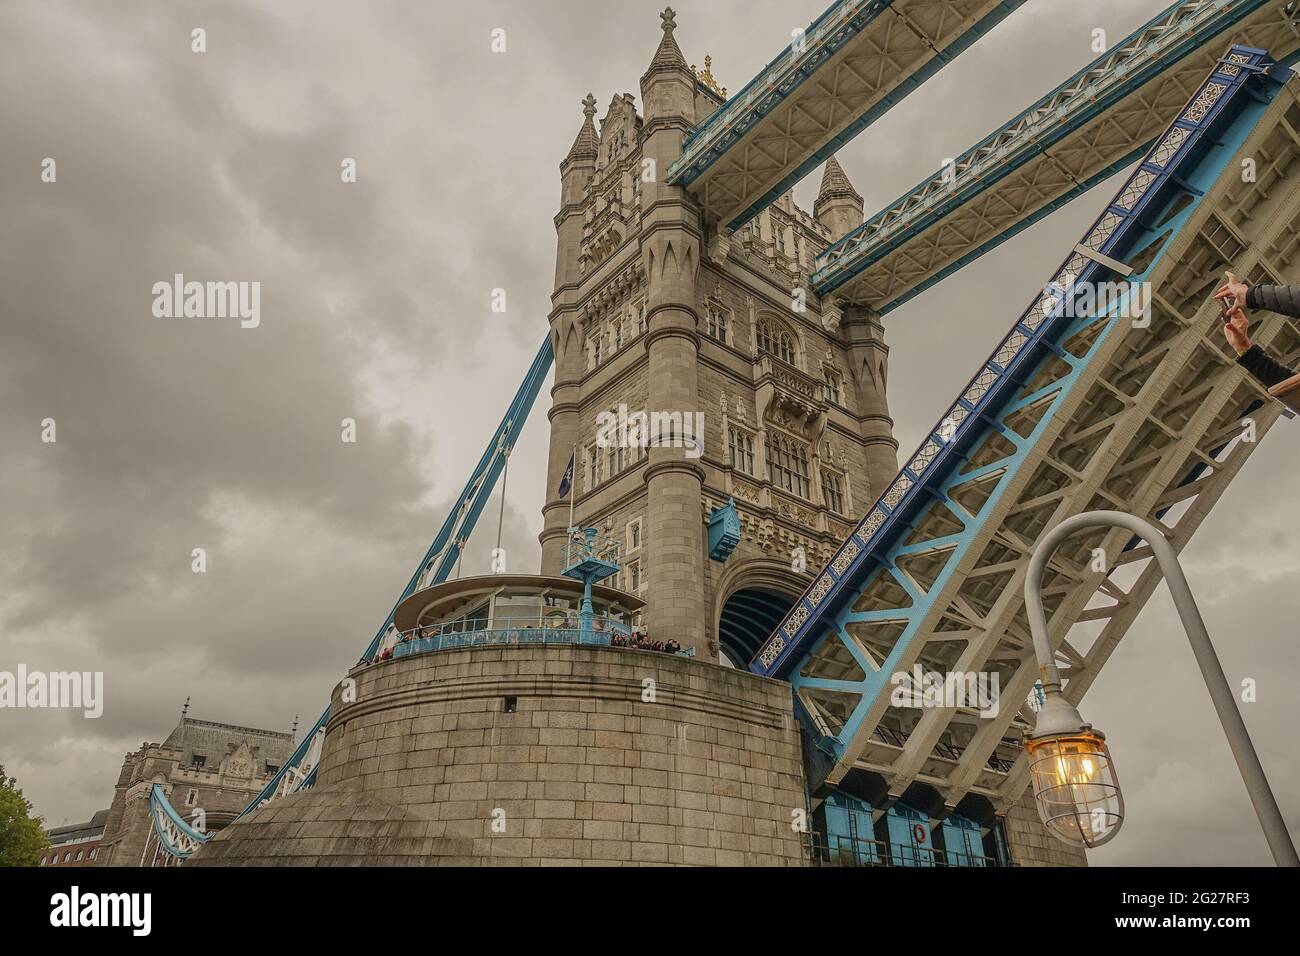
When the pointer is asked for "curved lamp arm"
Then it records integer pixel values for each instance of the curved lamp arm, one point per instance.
(1225, 703)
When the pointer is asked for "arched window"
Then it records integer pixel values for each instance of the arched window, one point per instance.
(775, 340)
(716, 322)
(834, 385)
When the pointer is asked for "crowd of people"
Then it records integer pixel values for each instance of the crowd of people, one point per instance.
(636, 640)
(639, 640)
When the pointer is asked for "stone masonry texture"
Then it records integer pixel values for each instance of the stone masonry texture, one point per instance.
(564, 756)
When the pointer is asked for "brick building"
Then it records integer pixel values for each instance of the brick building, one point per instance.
(75, 844)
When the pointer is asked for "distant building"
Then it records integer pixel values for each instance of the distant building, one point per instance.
(76, 844)
(209, 771)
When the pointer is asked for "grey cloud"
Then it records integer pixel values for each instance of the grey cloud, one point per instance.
(175, 434)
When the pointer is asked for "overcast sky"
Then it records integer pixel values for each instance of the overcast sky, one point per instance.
(176, 434)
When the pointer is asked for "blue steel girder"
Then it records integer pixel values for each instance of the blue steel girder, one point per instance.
(176, 838)
(1090, 127)
(441, 557)
(850, 66)
(928, 575)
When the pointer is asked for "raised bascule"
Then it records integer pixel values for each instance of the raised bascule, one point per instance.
(707, 678)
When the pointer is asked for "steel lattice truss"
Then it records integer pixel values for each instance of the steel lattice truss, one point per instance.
(1093, 125)
(854, 62)
(1109, 414)
(177, 840)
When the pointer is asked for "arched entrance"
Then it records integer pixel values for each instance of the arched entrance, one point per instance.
(748, 617)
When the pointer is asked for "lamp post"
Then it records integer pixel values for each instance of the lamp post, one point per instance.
(1075, 786)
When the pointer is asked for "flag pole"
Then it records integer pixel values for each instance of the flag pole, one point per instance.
(572, 484)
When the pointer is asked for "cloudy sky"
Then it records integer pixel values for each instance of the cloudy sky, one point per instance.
(176, 434)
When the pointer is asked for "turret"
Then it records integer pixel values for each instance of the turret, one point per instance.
(839, 206)
(566, 336)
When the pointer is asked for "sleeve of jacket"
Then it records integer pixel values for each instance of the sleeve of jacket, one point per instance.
(1257, 363)
(1282, 299)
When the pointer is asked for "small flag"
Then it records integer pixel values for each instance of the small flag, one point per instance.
(566, 483)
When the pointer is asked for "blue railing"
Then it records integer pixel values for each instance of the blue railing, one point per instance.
(603, 631)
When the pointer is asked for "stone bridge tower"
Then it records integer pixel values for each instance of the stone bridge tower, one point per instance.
(652, 315)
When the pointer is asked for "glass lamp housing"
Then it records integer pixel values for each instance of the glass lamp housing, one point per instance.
(1075, 787)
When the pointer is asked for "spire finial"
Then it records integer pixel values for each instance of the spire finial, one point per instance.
(669, 17)
(706, 77)
(294, 732)
(186, 709)
(589, 106)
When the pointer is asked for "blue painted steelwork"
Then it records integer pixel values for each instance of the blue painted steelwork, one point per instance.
(162, 813)
(826, 35)
(441, 557)
(963, 845)
(850, 832)
(724, 531)
(602, 633)
(1224, 110)
(589, 559)
(1181, 29)
(910, 840)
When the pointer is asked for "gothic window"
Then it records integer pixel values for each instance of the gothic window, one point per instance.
(634, 535)
(80, 855)
(741, 445)
(618, 332)
(775, 340)
(787, 464)
(198, 762)
(614, 459)
(834, 385)
(716, 322)
(599, 342)
(641, 319)
(833, 491)
(632, 576)
(93, 851)
(190, 797)
(594, 462)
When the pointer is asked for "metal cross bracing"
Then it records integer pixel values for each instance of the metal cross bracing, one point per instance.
(849, 67)
(1091, 126)
(299, 771)
(174, 838)
(1070, 414)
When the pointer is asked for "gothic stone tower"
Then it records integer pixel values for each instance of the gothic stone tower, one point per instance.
(652, 314)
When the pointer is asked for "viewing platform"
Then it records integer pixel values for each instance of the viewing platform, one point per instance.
(515, 609)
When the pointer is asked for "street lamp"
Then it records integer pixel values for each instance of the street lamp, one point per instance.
(1074, 781)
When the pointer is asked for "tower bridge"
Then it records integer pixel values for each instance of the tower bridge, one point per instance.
(1069, 414)
(758, 596)
(1092, 126)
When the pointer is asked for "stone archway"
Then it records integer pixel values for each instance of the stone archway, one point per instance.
(756, 594)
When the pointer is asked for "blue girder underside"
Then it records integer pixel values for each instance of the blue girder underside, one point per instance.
(685, 173)
(1209, 143)
(832, 276)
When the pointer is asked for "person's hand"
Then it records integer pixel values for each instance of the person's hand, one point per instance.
(1233, 291)
(1236, 330)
